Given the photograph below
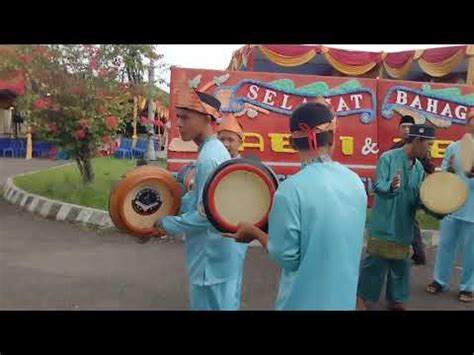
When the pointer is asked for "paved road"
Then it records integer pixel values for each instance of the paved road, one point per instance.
(10, 167)
(48, 264)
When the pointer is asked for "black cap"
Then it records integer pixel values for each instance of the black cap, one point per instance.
(406, 119)
(310, 113)
(209, 99)
(422, 131)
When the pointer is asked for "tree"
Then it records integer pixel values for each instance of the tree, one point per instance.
(77, 96)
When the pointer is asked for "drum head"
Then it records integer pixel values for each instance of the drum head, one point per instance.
(467, 152)
(443, 193)
(139, 199)
(239, 191)
(114, 203)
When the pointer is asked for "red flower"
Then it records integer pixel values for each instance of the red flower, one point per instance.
(80, 134)
(26, 57)
(93, 63)
(122, 86)
(106, 138)
(77, 89)
(101, 109)
(101, 93)
(41, 103)
(41, 50)
(52, 127)
(158, 123)
(111, 122)
(102, 72)
(83, 122)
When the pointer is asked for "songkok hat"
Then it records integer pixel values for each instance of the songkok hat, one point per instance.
(187, 97)
(231, 124)
(422, 131)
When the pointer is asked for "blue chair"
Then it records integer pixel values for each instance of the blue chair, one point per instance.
(124, 149)
(40, 149)
(16, 148)
(140, 148)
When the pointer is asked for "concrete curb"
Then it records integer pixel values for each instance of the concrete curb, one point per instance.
(52, 209)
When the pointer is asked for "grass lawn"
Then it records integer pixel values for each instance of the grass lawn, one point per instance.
(65, 183)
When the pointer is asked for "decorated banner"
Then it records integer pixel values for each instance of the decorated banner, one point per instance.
(441, 105)
(263, 102)
(368, 113)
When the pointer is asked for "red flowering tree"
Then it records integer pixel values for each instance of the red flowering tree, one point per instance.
(76, 96)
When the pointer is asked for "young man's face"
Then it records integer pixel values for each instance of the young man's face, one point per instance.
(422, 147)
(231, 141)
(404, 129)
(191, 123)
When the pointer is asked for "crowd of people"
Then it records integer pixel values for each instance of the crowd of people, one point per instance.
(318, 242)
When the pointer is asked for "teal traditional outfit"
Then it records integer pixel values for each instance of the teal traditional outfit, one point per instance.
(391, 225)
(214, 263)
(316, 233)
(316, 224)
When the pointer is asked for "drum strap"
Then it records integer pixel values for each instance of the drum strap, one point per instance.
(387, 249)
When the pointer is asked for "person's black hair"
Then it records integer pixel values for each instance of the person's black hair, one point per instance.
(324, 139)
(406, 119)
(311, 114)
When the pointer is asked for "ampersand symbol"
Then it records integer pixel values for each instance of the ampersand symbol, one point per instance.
(369, 147)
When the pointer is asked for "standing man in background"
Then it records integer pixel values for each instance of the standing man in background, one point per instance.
(419, 254)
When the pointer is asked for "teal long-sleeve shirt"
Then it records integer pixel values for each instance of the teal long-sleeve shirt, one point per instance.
(210, 257)
(465, 213)
(316, 229)
(394, 211)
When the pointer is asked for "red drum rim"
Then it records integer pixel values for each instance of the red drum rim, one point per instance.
(208, 198)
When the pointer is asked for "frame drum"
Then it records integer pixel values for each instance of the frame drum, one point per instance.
(113, 212)
(239, 190)
(141, 197)
(443, 193)
(467, 152)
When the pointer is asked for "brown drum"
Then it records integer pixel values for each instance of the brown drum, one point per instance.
(443, 193)
(142, 196)
(113, 201)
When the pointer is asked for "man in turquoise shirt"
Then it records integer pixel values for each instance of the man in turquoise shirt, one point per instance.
(398, 179)
(316, 224)
(213, 262)
(457, 228)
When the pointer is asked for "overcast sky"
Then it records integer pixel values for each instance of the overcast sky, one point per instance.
(218, 56)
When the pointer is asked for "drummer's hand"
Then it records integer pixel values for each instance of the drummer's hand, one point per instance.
(470, 174)
(451, 163)
(245, 234)
(157, 233)
(396, 180)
